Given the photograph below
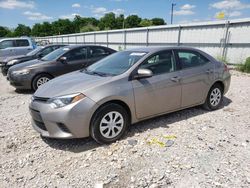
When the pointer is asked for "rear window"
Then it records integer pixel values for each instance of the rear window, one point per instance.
(22, 43)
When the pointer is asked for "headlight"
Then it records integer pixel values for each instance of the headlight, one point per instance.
(58, 102)
(12, 62)
(21, 72)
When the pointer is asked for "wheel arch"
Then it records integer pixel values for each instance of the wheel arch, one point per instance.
(37, 74)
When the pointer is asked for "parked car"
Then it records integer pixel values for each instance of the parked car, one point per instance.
(125, 88)
(38, 53)
(15, 46)
(34, 73)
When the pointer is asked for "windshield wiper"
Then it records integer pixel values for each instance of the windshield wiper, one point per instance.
(95, 73)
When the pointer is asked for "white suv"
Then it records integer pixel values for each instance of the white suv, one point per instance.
(16, 46)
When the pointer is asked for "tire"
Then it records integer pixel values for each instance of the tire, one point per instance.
(214, 98)
(103, 130)
(40, 80)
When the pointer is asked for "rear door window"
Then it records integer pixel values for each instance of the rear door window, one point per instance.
(98, 52)
(189, 59)
(6, 44)
(22, 43)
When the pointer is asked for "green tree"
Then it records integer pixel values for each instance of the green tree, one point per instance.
(145, 23)
(22, 30)
(120, 21)
(132, 21)
(108, 21)
(158, 21)
(63, 26)
(89, 28)
(4, 31)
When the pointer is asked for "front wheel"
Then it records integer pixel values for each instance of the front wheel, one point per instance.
(40, 80)
(109, 123)
(214, 97)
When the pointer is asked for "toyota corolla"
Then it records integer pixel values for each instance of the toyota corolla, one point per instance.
(102, 100)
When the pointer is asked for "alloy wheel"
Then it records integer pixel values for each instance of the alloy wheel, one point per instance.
(42, 81)
(215, 97)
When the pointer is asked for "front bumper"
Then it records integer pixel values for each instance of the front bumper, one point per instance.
(20, 81)
(71, 121)
(4, 70)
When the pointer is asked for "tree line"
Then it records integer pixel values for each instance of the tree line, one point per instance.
(80, 24)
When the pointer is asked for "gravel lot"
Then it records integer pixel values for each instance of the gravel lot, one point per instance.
(190, 148)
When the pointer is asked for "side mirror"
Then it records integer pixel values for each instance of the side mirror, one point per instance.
(39, 55)
(143, 73)
(63, 59)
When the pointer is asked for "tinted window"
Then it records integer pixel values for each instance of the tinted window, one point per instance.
(6, 44)
(162, 62)
(98, 52)
(191, 59)
(76, 54)
(55, 54)
(21, 43)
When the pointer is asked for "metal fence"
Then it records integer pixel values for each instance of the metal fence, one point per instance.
(222, 39)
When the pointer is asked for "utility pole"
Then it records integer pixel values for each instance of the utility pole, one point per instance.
(172, 12)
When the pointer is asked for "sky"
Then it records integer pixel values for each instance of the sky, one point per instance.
(29, 12)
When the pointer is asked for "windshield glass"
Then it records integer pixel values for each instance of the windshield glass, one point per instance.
(55, 54)
(116, 64)
(33, 52)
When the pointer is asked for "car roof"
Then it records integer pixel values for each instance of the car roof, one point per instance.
(155, 49)
(16, 38)
(82, 45)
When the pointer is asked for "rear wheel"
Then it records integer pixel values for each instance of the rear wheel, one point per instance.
(40, 80)
(214, 97)
(109, 123)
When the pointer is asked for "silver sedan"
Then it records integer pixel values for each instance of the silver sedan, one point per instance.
(127, 87)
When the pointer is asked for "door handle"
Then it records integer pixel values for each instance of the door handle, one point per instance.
(209, 71)
(175, 79)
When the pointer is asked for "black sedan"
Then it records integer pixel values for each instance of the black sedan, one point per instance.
(35, 54)
(34, 73)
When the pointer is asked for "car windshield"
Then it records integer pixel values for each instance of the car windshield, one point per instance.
(115, 64)
(34, 52)
(55, 54)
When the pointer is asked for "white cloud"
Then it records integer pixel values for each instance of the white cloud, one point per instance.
(100, 11)
(76, 5)
(230, 4)
(235, 14)
(186, 9)
(69, 16)
(36, 16)
(14, 4)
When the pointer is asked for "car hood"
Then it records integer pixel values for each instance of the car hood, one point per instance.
(29, 64)
(9, 58)
(75, 82)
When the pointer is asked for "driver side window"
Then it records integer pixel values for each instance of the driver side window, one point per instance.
(76, 54)
(6, 44)
(160, 63)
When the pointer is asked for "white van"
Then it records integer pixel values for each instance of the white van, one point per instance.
(16, 46)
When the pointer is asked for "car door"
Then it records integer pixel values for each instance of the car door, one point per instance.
(76, 59)
(7, 48)
(22, 47)
(196, 76)
(96, 53)
(160, 93)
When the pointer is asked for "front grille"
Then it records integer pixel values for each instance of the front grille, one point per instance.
(40, 99)
(40, 125)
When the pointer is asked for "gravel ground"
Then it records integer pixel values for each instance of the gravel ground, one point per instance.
(190, 148)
